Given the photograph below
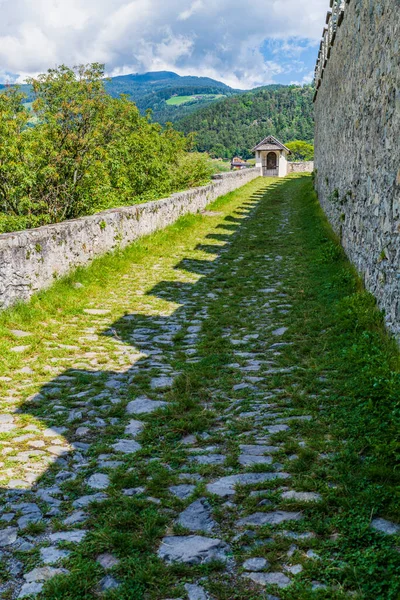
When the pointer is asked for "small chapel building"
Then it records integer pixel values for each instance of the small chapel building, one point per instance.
(272, 157)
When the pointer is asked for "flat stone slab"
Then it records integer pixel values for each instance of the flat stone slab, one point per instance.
(134, 491)
(255, 564)
(307, 535)
(84, 501)
(226, 485)
(161, 383)
(144, 406)
(96, 311)
(43, 574)
(7, 427)
(193, 550)
(31, 514)
(51, 555)
(240, 386)
(384, 526)
(249, 414)
(197, 517)
(183, 491)
(134, 428)
(264, 579)
(270, 518)
(8, 536)
(249, 460)
(107, 560)
(20, 334)
(19, 349)
(258, 450)
(30, 589)
(75, 537)
(302, 496)
(280, 331)
(299, 418)
(317, 585)
(127, 446)
(277, 428)
(196, 592)
(209, 459)
(78, 516)
(4, 418)
(108, 583)
(294, 569)
(98, 481)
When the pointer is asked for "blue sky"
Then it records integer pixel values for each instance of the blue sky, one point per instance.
(296, 56)
(243, 44)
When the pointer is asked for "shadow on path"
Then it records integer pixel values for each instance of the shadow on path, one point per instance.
(84, 412)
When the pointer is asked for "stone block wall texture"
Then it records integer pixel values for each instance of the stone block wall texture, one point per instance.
(357, 140)
(301, 167)
(31, 260)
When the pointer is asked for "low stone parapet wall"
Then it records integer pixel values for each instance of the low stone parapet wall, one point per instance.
(301, 167)
(31, 260)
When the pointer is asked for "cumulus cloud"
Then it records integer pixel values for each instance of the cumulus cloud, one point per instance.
(217, 38)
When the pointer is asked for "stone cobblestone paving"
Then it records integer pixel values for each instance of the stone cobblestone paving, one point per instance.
(165, 433)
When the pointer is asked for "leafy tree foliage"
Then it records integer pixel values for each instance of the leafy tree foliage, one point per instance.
(234, 126)
(88, 151)
(301, 151)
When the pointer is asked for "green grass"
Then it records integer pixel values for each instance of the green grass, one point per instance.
(347, 378)
(179, 100)
(220, 166)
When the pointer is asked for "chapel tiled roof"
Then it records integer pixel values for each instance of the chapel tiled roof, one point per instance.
(270, 143)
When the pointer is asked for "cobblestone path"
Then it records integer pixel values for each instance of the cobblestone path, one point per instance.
(169, 439)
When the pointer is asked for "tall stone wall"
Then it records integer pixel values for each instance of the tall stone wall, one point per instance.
(357, 140)
(31, 260)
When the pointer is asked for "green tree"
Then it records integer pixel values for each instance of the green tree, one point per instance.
(301, 151)
(16, 156)
(87, 152)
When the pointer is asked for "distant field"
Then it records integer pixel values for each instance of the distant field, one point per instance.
(220, 166)
(179, 100)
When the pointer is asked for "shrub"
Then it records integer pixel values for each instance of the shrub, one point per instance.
(301, 151)
(87, 152)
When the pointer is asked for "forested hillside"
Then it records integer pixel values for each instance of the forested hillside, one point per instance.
(159, 90)
(168, 95)
(226, 121)
(235, 125)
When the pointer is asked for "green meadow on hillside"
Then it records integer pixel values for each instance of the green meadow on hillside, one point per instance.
(179, 100)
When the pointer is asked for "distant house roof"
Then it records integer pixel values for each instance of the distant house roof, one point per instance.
(270, 143)
(238, 162)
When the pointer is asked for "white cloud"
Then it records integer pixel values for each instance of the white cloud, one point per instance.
(216, 38)
(192, 10)
(6, 77)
